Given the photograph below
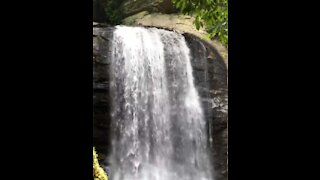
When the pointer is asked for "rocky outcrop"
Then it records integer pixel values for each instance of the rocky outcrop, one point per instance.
(210, 78)
(210, 74)
(126, 8)
(209, 61)
(175, 22)
(101, 99)
(130, 7)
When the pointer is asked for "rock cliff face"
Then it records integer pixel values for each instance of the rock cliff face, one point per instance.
(130, 7)
(101, 99)
(174, 22)
(210, 73)
(209, 61)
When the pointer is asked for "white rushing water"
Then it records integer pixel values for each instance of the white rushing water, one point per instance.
(158, 127)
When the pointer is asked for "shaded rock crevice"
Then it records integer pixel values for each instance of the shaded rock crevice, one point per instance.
(130, 7)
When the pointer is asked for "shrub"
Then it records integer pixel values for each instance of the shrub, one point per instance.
(98, 172)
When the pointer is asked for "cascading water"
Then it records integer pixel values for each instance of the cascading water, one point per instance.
(158, 130)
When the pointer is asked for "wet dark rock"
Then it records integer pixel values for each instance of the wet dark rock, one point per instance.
(210, 77)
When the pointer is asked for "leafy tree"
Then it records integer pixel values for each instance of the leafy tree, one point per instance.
(213, 14)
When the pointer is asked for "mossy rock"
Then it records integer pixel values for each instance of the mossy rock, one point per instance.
(131, 20)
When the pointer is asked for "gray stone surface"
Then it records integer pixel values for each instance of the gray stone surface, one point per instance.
(210, 75)
(130, 7)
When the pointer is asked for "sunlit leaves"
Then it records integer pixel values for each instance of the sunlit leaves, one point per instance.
(98, 172)
(213, 14)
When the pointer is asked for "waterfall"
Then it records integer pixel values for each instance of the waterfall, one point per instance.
(158, 127)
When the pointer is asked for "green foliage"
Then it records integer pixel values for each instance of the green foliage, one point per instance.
(98, 172)
(211, 13)
(113, 14)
